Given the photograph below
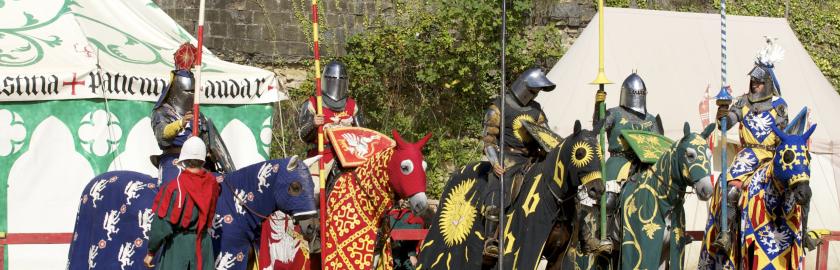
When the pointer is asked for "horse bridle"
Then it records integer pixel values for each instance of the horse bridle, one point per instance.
(242, 202)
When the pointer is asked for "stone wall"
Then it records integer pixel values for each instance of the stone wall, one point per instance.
(272, 32)
(571, 16)
(276, 34)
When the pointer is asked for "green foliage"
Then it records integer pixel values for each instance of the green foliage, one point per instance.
(433, 68)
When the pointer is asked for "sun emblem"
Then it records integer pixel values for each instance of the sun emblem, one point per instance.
(582, 154)
(788, 158)
(519, 130)
(458, 215)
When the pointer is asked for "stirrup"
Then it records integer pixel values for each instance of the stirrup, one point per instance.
(722, 243)
(603, 247)
(491, 248)
(492, 213)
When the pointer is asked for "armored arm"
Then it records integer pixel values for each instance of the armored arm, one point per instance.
(734, 114)
(658, 128)
(781, 115)
(543, 121)
(306, 122)
(164, 130)
(358, 117)
(490, 134)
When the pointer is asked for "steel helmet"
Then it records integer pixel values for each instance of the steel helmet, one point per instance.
(193, 148)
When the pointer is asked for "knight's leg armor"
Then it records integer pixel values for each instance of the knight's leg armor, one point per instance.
(724, 241)
(492, 211)
(491, 214)
(588, 218)
(491, 230)
(613, 190)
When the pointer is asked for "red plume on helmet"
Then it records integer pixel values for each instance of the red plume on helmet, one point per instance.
(407, 169)
(185, 56)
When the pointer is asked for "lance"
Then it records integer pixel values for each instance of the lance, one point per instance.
(723, 98)
(319, 110)
(200, 37)
(601, 80)
(502, 93)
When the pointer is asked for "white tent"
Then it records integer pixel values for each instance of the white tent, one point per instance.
(678, 55)
(77, 84)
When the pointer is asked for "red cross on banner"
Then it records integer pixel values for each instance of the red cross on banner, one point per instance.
(73, 83)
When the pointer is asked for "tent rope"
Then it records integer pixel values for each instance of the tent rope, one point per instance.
(108, 114)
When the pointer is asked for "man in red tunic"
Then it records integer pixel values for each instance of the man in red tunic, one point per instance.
(184, 208)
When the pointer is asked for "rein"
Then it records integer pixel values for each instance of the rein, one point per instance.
(242, 202)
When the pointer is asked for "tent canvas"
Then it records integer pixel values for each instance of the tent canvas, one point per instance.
(678, 55)
(79, 79)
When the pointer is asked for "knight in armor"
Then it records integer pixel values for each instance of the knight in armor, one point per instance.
(630, 114)
(172, 124)
(339, 109)
(521, 149)
(756, 111)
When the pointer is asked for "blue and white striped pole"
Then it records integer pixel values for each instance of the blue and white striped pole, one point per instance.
(723, 99)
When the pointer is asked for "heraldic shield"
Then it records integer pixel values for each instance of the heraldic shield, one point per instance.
(354, 145)
(648, 146)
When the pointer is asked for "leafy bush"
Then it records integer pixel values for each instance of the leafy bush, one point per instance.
(433, 68)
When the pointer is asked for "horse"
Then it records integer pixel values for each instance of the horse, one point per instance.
(360, 198)
(547, 200)
(122, 201)
(652, 213)
(771, 207)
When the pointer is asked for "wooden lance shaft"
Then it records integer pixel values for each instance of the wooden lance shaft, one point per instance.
(601, 80)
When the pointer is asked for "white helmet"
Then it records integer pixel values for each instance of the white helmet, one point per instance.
(193, 148)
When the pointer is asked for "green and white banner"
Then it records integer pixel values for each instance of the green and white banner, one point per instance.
(78, 79)
(77, 49)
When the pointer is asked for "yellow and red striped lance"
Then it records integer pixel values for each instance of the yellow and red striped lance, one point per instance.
(320, 112)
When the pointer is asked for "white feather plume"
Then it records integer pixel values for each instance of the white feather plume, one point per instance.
(771, 54)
